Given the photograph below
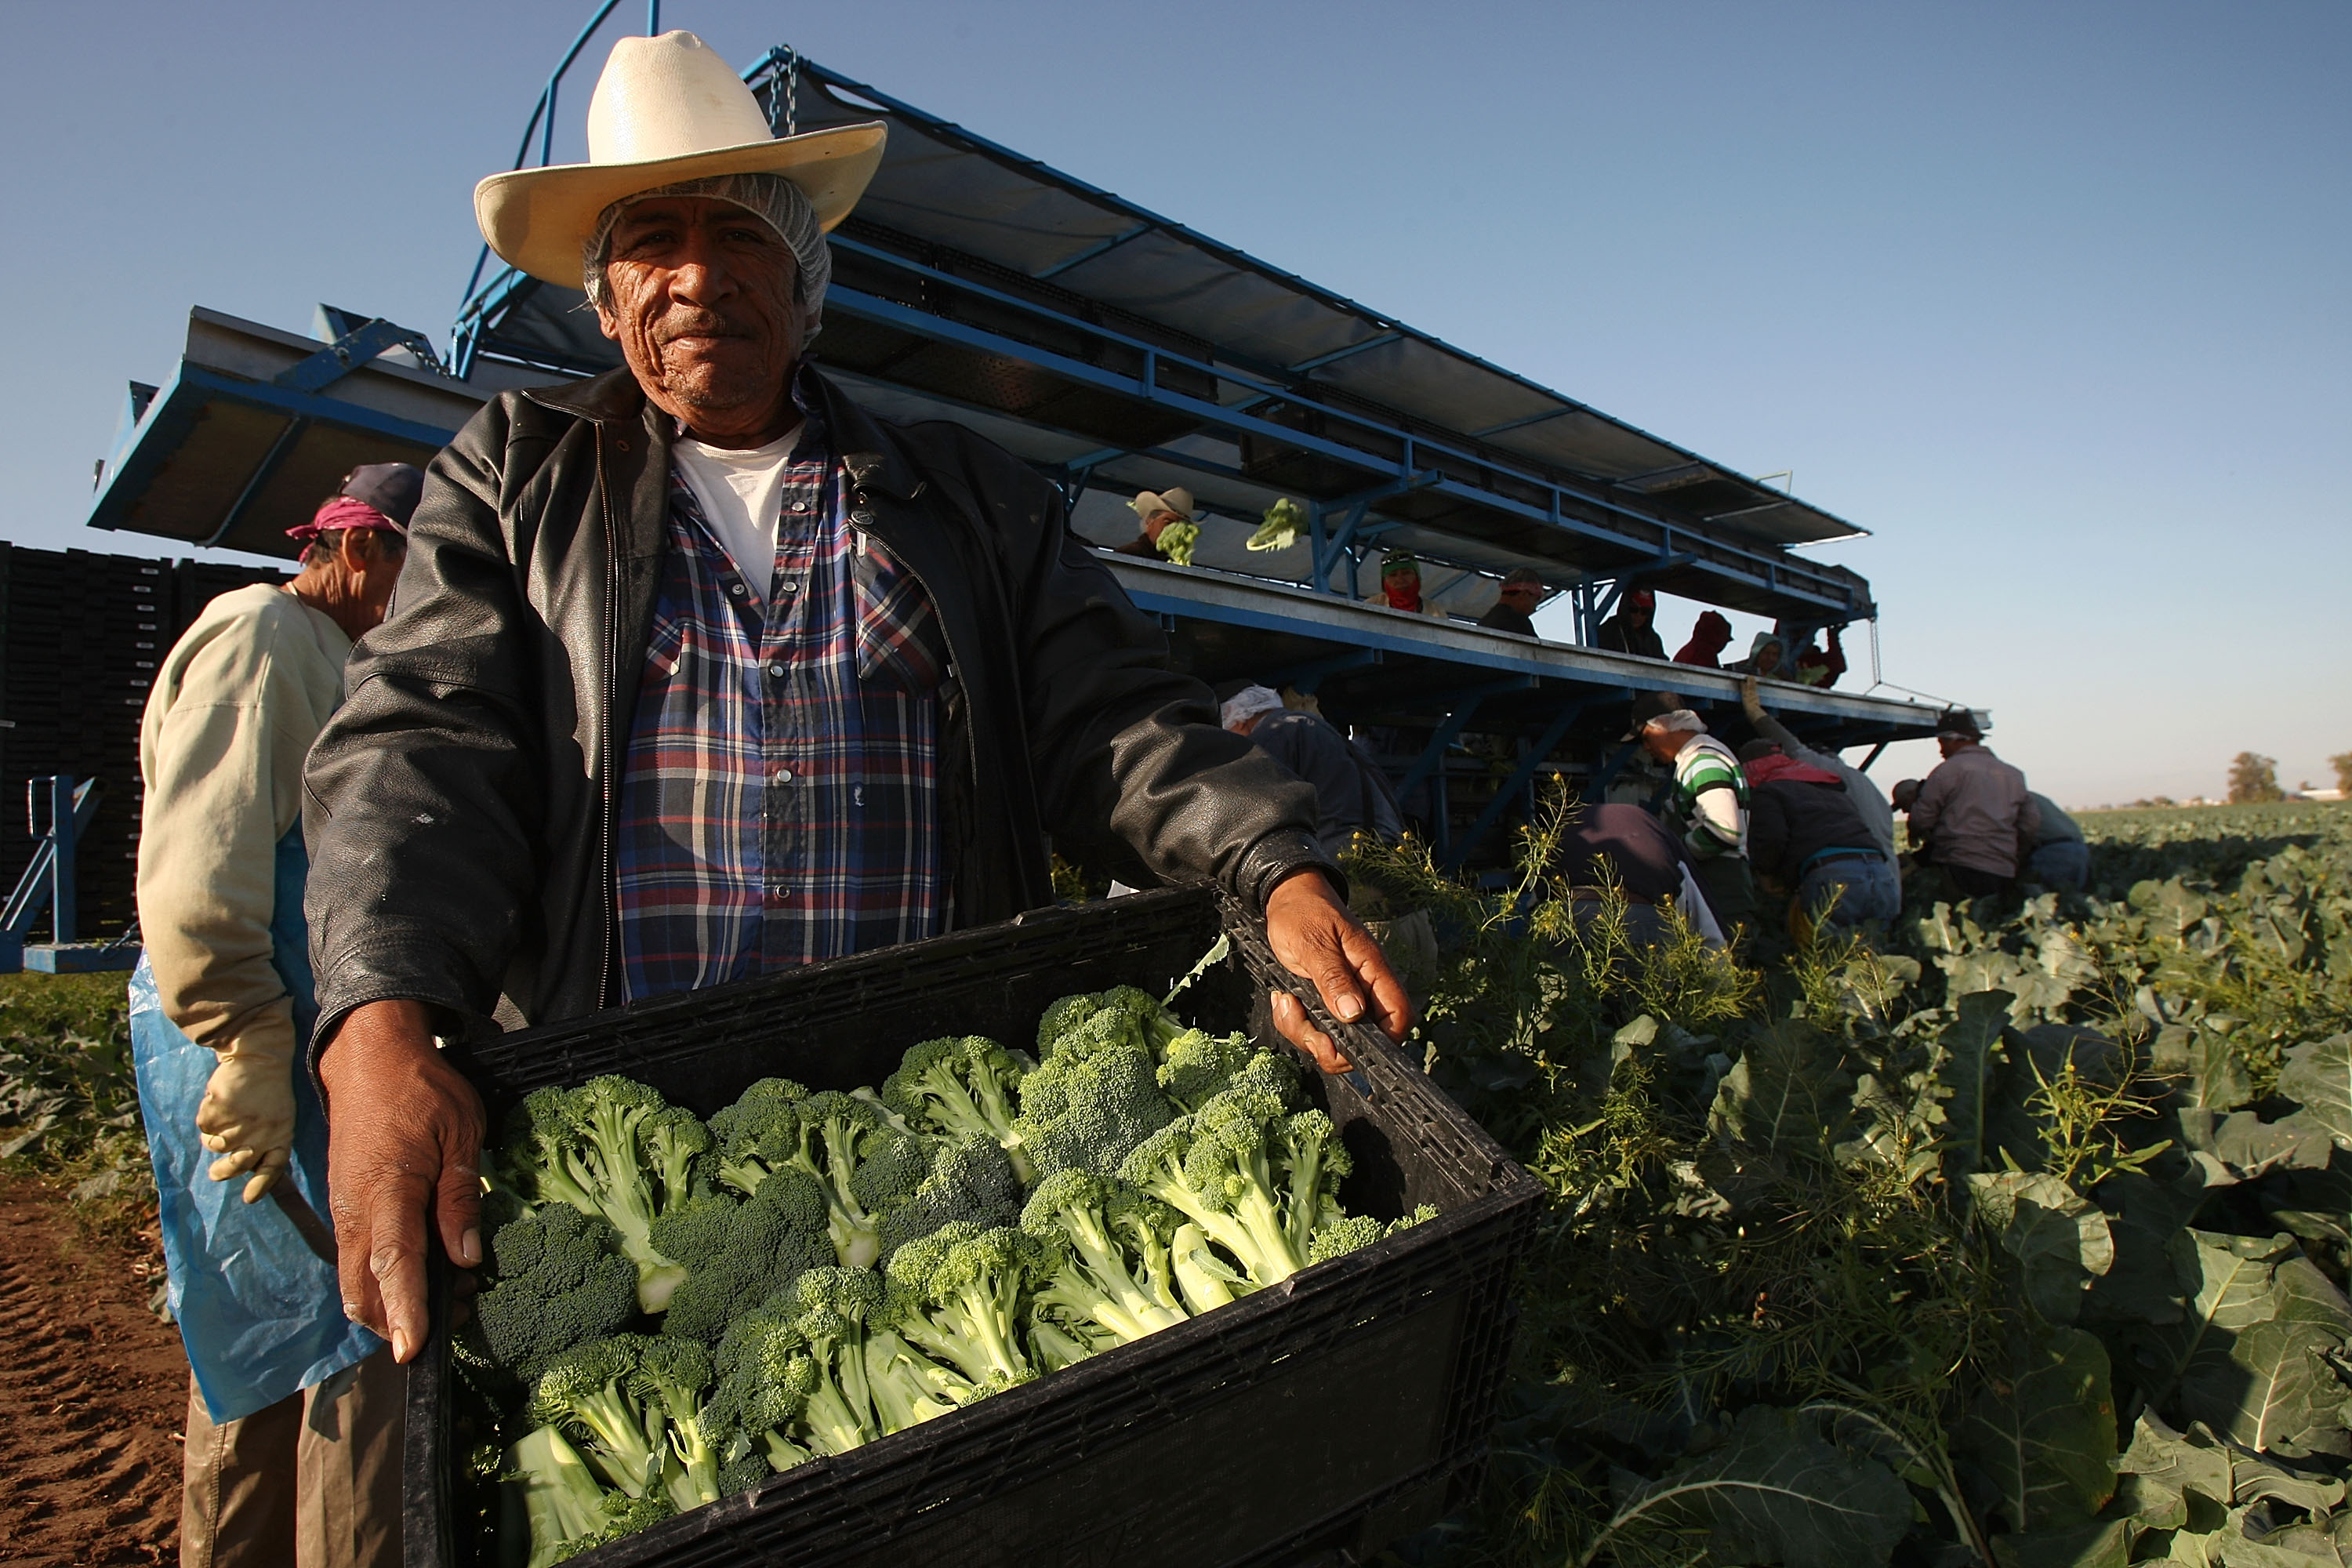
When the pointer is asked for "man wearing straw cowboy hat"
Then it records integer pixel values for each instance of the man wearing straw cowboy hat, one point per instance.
(697, 671)
(1154, 510)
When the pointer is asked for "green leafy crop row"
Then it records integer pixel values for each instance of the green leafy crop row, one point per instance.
(2019, 1236)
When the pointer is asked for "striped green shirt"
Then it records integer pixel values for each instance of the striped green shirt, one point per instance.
(1710, 806)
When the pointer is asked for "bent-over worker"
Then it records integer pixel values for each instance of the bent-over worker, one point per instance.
(2062, 856)
(1618, 850)
(1809, 843)
(1973, 815)
(1877, 815)
(310, 1475)
(1708, 806)
(700, 672)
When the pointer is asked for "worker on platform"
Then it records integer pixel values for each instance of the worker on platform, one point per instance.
(1400, 586)
(1877, 816)
(1767, 657)
(1708, 806)
(1817, 666)
(1515, 603)
(1811, 845)
(699, 671)
(1156, 511)
(1709, 636)
(294, 1420)
(1632, 628)
(1972, 818)
(2062, 856)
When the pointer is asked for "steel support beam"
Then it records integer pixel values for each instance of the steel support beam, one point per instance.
(1304, 679)
(1875, 753)
(1513, 786)
(1611, 766)
(1467, 703)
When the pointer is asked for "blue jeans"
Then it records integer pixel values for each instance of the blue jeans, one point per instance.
(1864, 887)
(2063, 863)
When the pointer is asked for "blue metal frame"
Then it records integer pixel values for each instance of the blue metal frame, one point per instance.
(48, 879)
(1531, 765)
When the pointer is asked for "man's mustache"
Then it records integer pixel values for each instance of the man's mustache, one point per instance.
(701, 324)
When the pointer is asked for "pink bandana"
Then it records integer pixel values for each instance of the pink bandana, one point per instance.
(344, 512)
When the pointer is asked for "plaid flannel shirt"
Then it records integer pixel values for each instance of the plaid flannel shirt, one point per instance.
(779, 802)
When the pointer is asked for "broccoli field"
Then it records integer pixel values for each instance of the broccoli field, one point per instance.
(676, 1311)
(2020, 1239)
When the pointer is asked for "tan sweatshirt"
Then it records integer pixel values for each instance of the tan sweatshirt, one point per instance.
(232, 714)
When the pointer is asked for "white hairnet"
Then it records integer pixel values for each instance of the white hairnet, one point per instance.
(1248, 703)
(772, 199)
(1681, 719)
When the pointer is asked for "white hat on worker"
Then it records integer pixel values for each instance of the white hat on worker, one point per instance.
(1176, 498)
(666, 110)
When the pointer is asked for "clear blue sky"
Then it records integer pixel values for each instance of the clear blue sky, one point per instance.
(2056, 299)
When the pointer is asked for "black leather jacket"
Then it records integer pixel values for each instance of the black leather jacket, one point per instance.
(459, 808)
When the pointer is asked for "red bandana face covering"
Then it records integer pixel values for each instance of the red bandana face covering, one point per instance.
(1402, 592)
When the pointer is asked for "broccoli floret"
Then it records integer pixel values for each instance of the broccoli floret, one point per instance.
(742, 1127)
(766, 1378)
(967, 1180)
(672, 1376)
(1314, 1163)
(1061, 1017)
(737, 1255)
(614, 1149)
(959, 1086)
(589, 1393)
(862, 1164)
(1219, 1167)
(1205, 1280)
(1196, 1065)
(1348, 1233)
(908, 1387)
(560, 1280)
(870, 1381)
(1088, 1107)
(969, 1282)
(1113, 1270)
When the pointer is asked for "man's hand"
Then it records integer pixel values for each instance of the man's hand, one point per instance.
(1315, 936)
(246, 1115)
(404, 1136)
(1751, 698)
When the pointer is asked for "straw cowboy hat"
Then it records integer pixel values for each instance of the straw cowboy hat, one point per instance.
(666, 110)
(1177, 500)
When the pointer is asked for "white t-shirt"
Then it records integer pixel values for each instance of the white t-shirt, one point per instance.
(740, 496)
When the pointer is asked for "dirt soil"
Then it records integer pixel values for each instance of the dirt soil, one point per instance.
(93, 1392)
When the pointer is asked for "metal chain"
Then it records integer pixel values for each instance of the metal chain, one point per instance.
(784, 88)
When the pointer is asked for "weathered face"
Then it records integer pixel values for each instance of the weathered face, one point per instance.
(1157, 520)
(698, 294)
(1663, 744)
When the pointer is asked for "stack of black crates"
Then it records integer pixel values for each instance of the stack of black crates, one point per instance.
(81, 636)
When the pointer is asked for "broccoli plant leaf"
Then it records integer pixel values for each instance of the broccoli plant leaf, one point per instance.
(2061, 1242)
(2143, 1217)
(2318, 1076)
(1775, 1492)
(1968, 1057)
(1788, 1093)
(2039, 1439)
(2267, 1384)
(2101, 1544)
(2229, 1282)
(2203, 1069)
(2156, 1474)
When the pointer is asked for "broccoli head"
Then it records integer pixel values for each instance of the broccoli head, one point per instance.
(1113, 1270)
(1219, 1167)
(1348, 1233)
(960, 1086)
(1087, 1107)
(1196, 1065)
(1121, 1016)
(738, 1254)
(1314, 1162)
(589, 1393)
(969, 1283)
(862, 1165)
(766, 1377)
(965, 1180)
(614, 1149)
(670, 1380)
(559, 1279)
(870, 1381)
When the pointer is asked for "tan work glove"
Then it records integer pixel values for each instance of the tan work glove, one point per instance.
(248, 1112)
(1751, 698)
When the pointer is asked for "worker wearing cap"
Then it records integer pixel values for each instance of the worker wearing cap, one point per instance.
(1515, 603)
(1399, 587)
(1973, 816)
(1155, 511)
(294, 1414)
(700, 672)
(1632, 629)
(1708, 806)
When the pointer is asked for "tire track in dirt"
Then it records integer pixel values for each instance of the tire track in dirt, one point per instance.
(93, 1388)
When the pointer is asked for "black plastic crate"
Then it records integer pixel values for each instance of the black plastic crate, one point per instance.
(1320, 1418)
